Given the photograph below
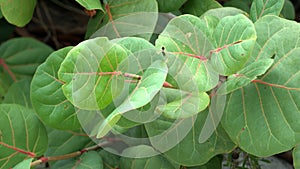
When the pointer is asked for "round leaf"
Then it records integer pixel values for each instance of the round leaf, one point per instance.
(47, 96)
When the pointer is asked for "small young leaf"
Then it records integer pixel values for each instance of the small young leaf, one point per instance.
(150, 84)
(90, 4)
(22, 135)
(245, 76)
(18, 12)
(260, 8)
(288, 10)
(24, 164)
(88, 73)
(47, 96)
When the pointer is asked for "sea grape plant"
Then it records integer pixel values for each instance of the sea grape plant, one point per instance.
(154, 90)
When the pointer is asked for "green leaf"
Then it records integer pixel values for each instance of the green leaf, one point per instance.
(19, 93)
(260, 8)
(223, 12)
(266, 122)
(189, 43)
(167, 6)
(288, 10)
(18, 12)
(215, 163)
(197, 8)
(65, 142)
(296, 157)
(89, 71)
(235, 37)
(22, 130)
(24, 164)
(123, 18)
(87, 160)
(245, 76)
(150, 84)
(157, 161)
(47, 96)
(20, 57)
(188, 151)
(90, 4)
(110, 161)
(243, 5)
(182, 104)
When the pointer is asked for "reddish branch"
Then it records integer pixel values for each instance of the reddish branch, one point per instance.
(31, 154)
(274, 85)
(65, 156)
(6, 68)
(111, 19)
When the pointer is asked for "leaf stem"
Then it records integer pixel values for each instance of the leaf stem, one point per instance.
(6, 68)
(223, 47)
(274, 85)
(31, 154)
(190, 55)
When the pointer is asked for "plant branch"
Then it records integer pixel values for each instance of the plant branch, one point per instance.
(6, 68)
(66, 156)
(31, 154)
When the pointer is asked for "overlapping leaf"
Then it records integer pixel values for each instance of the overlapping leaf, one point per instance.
(223, 12)
(22, 131)
(260, 8)
(192, 39)
(24, 164)
(149, 85)
(296, 157)
(88, 72)
(245, 76)
(165, 6)
(262, 118)
(188, 151)
(90, 4)
(19, 93)
(18, 12)
(123, 18)
(235, 37)
(20, 57)
(47, 96)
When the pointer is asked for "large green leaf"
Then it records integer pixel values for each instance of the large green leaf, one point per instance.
(19, 93)
(110, 161)
(22, 135)
(262, 118)
(149, 85)
(188, 151)
(260, 8)
(47, 96)
(197, 8)
(235, 37)
(90, 4)
(188, 43)
(18, 12)
(157, 161)
(20, 57)
(124, 18)
(223, 12)
(87, 160)
(296, 157)
(88, 72)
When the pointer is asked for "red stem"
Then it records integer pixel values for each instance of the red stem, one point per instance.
(6, 68)
(191, 55)
(111, 20)
(274, 85)
(224, 47)
(31, 154)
